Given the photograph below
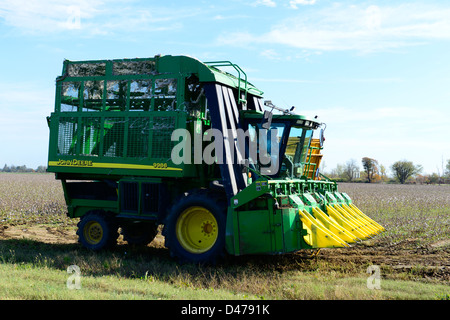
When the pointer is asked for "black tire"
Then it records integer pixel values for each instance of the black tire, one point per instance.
(97, 230)
(139, 233)
(184, 248)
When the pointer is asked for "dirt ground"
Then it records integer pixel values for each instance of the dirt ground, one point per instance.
(48, 234)
(431, 262)
(38, 233)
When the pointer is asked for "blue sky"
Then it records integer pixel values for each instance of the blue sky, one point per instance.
(376, 72)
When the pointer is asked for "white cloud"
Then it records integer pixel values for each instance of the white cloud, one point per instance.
(89, 17)
(360, 28)
(230, 17)
(293, 3)
(373, 17)
(267, 3)
(37, 16)
(270, 54)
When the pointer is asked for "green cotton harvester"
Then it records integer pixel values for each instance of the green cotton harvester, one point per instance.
(172, 141)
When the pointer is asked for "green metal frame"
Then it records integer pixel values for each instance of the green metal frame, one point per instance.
(242, 84)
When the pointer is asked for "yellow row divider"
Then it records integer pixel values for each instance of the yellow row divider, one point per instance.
(321, 238)
(348, 225)
(361, 218)
(363, 222)
(356, 209)
(333, 226)
(360, 225)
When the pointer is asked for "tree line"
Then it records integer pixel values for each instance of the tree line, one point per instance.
(23, 168)
(401, 171)
(371, 170)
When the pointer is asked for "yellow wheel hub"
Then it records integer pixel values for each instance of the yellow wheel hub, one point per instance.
(197, 230)
(93, 232)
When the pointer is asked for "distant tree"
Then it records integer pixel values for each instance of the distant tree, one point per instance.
(41, 169)
(338, 171)
(383, 174)
(350, 170)
(433, 178)
(421, 179)
(404, 169)
(447, 169)
(370, 168)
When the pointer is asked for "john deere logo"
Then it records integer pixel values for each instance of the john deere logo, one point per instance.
(75, 163)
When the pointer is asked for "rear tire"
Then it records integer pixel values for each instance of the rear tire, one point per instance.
(139, 233)
(97, 230)
(195, 228)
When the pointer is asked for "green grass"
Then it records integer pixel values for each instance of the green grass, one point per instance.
(31, 282)
(39, 281)
(34, 270)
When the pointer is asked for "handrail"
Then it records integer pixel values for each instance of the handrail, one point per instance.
(239, 70)
(308, 164)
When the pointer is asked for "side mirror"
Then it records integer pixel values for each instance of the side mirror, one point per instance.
(267, 120)
(322, 137)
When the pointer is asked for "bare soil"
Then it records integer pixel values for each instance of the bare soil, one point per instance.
(431, 262)
(39, 233)
(47, 234)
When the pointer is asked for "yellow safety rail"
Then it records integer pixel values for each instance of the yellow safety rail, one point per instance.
(313, 159)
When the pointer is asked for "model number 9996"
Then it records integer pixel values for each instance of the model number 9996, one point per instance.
(159, 165)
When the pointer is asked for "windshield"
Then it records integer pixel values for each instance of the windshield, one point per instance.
(264, 150)
(297, 149)
(280, 150)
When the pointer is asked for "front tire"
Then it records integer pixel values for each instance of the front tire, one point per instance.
(195, 228)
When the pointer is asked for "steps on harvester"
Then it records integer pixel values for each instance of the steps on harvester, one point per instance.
(313, 160)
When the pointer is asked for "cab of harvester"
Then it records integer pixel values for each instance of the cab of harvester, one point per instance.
(173, 141)
(291, 206)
